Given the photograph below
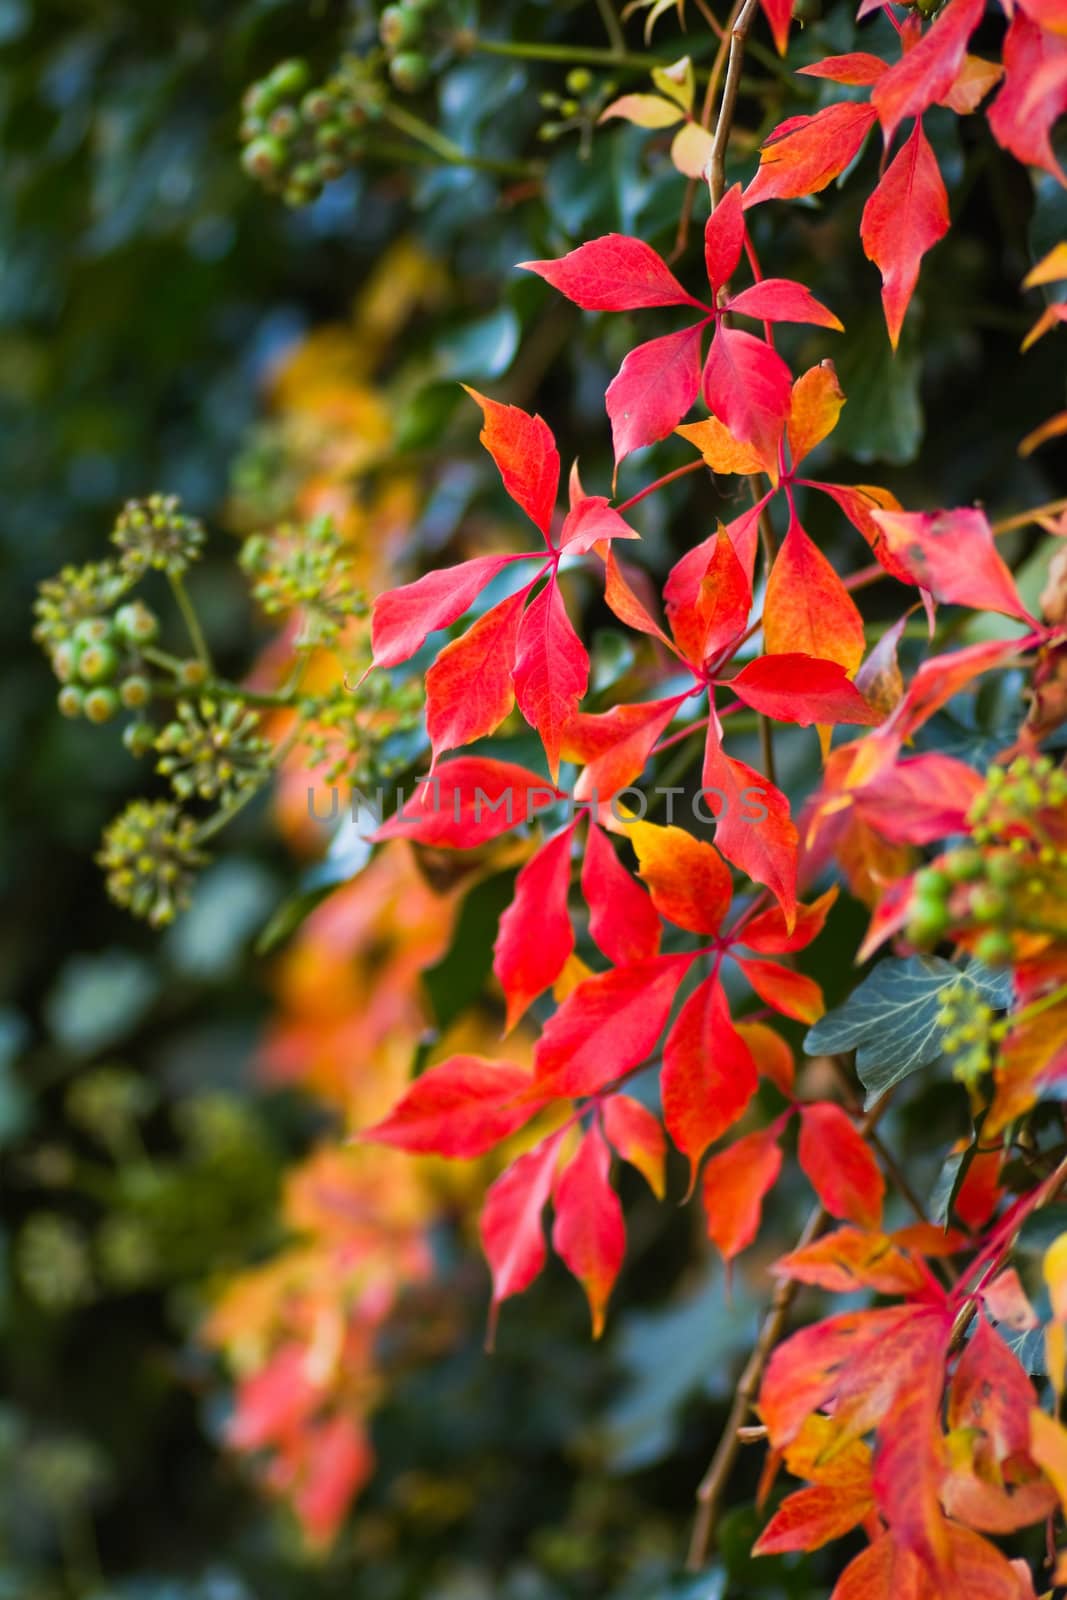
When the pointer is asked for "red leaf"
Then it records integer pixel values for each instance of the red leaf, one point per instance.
(688, 880)
(953, 554)
(735, 1184)
(859, 501)
(615, 745)
(636, 1136)
(339, 1461)
(904, 217)
(708, 1075)
(807, 609)
(812, 1517)
(526, 457)
(589, 1234)
(839, 1166)
(1033, 95)
(921, 799)
(623, 922)
(551, 670)
(607, 1026)
(511, 1229)
(619, 596)
(779, 14)
(716, 604)
(467, 802)
(789, 992)
(724, 239)
(653, 389)
(768, 934)
(773, 1057)
(840, 1357)
(781, 300)
(857, 68)
(754, 829)
(615, 273)
(462, 1107)
(991, 1394)
(928, 71)
(802, 689)
(886, 1571)
(403, 619)
(909, 1459)
(849, 1259)
(535, 936)
(748, 385)
(589, 522)
(468, 689)
(804, 154)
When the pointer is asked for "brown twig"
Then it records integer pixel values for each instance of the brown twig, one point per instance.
(714, 1482)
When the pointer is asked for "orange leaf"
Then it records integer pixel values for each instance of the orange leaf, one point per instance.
(688, 880)
(808, 610)
(839, 1166)
(735, 1184)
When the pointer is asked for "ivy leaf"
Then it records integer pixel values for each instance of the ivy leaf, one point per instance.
(890, 1020)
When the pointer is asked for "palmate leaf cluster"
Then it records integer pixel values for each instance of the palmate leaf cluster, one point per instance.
(124, 132)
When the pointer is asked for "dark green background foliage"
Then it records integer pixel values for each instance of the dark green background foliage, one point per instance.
(146, 284)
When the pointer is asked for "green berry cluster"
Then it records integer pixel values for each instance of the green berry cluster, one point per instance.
(297, 137)
(75, 595)
(305, 568)
(1012, 878)
(150, 856)
(53, 1262)
(154, 533)
(98, 659)
(577, 109)
(401, 29)
(968, 1032)
(349, 733)
(213, 750)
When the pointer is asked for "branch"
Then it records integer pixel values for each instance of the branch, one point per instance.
(723, 127)
(714, 1482)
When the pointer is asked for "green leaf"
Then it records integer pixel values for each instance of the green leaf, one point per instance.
(890, 1020)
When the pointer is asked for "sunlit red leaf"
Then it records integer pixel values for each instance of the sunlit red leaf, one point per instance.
(781, 300)
(747, 385)
(403, 619)
(551, 670)
(609, 1025)
(853, 1258)
(591, 521)
(804, 154)
(469, 801)
(535, 936)
(788, 991)
(858, 68)
(614, 273)
(708, 1074)
(800, 688)
(462, 1107)
(623, 922)
(688, 880)
(724, 239)
(614, 745)
(839, 1165)
(754, 830)
(589, 1234)
(469, 690)
(905, 217)
(812, 1517)
(927, 72)
(953, 554)
(653, 390)
(637, 1137)
(808, 610)
(511, 1226)
(768, 934)
(773, 1057)
(1033, 95)
(814, 407)
(735, 1184)
(526, 457)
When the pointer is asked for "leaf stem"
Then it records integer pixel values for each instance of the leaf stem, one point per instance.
(651, 488)
(612, 27)
(191, 620)
(446, 150)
